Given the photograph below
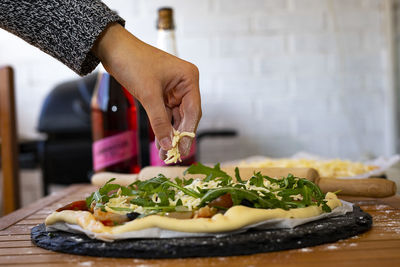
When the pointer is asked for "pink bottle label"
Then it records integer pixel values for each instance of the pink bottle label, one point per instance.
(114, 149)
(155, 159)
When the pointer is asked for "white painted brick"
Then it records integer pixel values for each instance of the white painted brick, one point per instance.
(356, 146)
(181, 8)
(248, 7)
(375, 82)
(345, 20)
(247, 87)
(14, 49)
(125, 9)
(325, 84)
(347, 4)
(372, 144)
(289, 21)
(373, 62)
(373, 4)
(324, 42)
(287, 108)
(374, 119)
(193, 49)
(223, 66)
(144, 28)
(207, 86)
(316, 144)
(276, 146)
(252, 45)
(359, 105)
(216, 24)
(372, 40)
(298, 63)
(332, 124)
(308, 106)
(336, 4)
(228, 111)
(275, 126)
(314, 5)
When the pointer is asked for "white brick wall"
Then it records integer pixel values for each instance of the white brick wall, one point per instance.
(289, 75)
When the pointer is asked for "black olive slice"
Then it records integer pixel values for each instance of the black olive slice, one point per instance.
(247, 203)
(132, 215)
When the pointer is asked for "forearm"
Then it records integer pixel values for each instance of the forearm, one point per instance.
(165, 85)
(65, 29)
(113, 45)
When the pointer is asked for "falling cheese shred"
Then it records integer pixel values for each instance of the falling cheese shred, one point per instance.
(173, 155)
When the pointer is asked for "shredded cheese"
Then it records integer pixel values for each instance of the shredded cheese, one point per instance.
(173, 155)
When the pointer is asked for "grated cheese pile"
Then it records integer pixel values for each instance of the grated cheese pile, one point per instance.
(325, 168)
(173, 155)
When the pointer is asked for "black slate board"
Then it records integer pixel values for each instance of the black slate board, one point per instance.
(253, 241)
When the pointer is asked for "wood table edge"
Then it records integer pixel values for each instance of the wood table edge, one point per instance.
(20, 214)
(393, 201)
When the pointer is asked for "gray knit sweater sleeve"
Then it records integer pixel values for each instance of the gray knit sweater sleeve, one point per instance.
(65, 29)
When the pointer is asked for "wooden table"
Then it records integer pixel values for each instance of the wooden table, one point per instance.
(378, 247)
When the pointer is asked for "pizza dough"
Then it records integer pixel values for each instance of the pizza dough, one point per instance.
(234, 218)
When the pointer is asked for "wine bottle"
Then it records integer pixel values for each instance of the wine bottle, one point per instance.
(166, 42)
(114, 127)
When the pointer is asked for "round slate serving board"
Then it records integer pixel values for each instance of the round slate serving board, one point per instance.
(253, 241)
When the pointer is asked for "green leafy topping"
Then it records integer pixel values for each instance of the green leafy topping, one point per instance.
(211, 173)
(158, 194)
(108, 191)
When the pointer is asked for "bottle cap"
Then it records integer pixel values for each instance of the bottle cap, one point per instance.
(165, 19)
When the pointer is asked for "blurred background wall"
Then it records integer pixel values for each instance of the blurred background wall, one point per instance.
(289, 75)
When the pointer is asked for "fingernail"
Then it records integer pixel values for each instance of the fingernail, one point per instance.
(166, 143)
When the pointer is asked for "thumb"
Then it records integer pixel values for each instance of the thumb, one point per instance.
(159, 121)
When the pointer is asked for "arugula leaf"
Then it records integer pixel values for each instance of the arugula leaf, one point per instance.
(237, 195)
(237, 175)
(144, 202)
(121, 209)
(161, 208)
(101, 194)
(211, 173)
(184, 190)
(178, 181)
(257, 179)
(163, 198)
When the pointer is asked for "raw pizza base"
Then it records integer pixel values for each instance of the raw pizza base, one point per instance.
(250, 242)
(237, 218)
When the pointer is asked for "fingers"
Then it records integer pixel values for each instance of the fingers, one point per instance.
(177, 117)
(190, 111)
(159, 120)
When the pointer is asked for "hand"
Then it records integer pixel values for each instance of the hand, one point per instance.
(166, 86)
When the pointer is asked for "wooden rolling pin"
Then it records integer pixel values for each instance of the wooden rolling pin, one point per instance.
(370, 187)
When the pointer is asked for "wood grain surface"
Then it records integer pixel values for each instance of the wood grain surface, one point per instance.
(378, 247)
